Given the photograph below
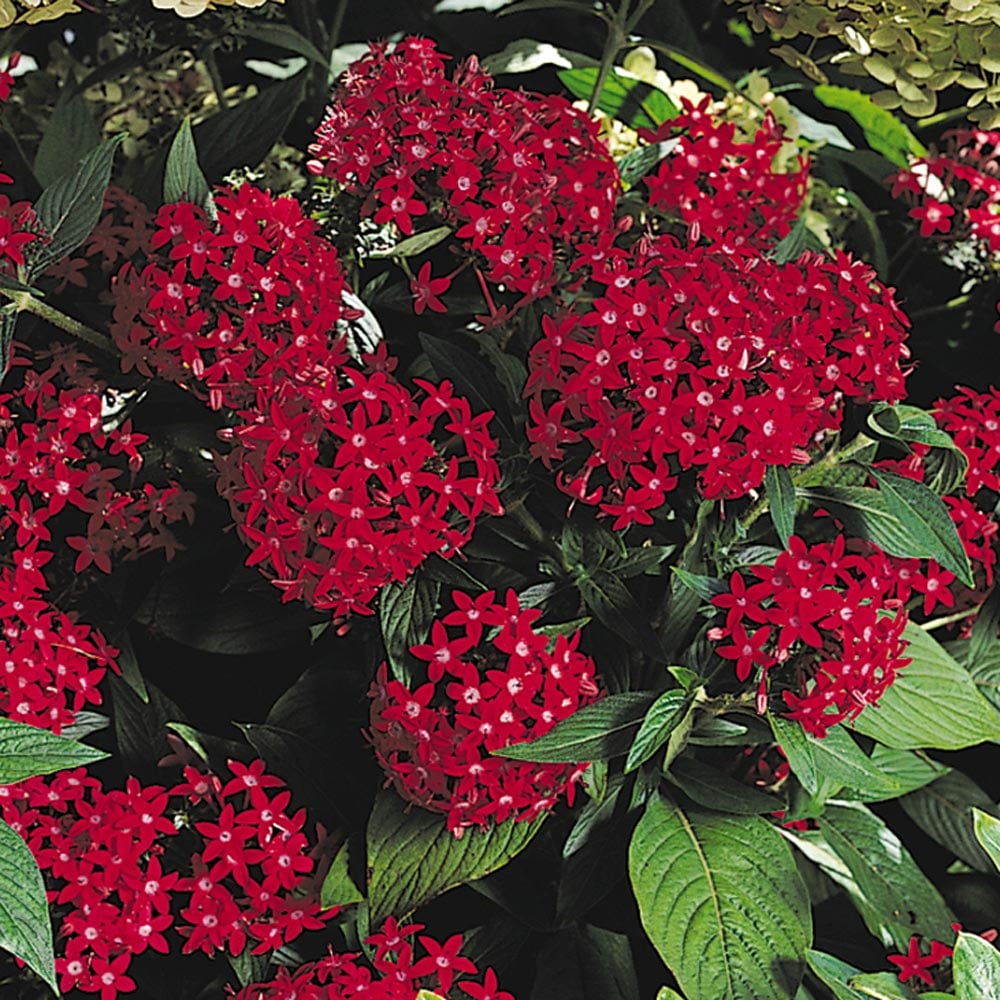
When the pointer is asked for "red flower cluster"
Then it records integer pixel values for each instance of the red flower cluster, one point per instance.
(710, 359)
(481, 695)
(973, 419)
(396, 973)
(956, 194)
(729, 191)
(521, 178)
(239, 304)
(339, 486)
(104, 855)
(817, 611)
(913, 965)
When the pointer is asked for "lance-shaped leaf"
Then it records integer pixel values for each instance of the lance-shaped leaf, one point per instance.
(25, 927)
(183, 179)
(413, 857)
(599, 731)
(781, 501)
(988, 834)
(722, 901)
(623, 96)
(933, 703)
(406, 611)
(26, 751)
(659, 722)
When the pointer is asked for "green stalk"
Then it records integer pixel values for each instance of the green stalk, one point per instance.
(26, 302)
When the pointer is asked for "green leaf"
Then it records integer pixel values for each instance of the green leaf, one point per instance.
(586, 963)
(638, 162)
(906, 770)
(243, 135)
(615, 607)
(406, 611)
(413, 857)
(781, 501)
(141, 727)
(26, 751)
(599, 731)
(976, 969)
(706, 587)
(987, 830)
(25, 925)
(248, 967)
(722, 902)
(338, 887)
(865, 857)
(657, 725)
(924, 515)
(183, 179)
(415, 245)
(932, 703)
(714, 789)
(834, 973)
(943, 810)
(282, 36)
(800, 239)
(882, 986)
(908, 423)
(624, 96)
(71, 127)
(883, 131)
(525, 55)
(70, 208)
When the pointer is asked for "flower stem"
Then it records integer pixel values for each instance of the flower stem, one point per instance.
(956, 616)
(26, 302)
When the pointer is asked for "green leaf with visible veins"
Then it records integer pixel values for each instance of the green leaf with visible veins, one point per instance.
(27, 751)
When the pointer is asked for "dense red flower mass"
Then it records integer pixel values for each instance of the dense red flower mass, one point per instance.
(521, 178)
(706, 358)
(816, 614)
(396, 972)
(973, 419)
(729, 190)
(482, 693)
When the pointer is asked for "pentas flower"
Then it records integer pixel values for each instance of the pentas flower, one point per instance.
(723, 188)
(346, 481)
(400, 968)
(232, 306)
(915, 965)
(522, 179)
(972, 418)
(706, 358)
(817, 616)
(484, 691)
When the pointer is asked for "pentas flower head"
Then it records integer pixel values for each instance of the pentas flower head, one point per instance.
(972, 418)
(817, 616)
(400, 968)
(520, 178)
(485, 690)
(231, 306)
(724, 188)
(347, 481)
(707, 358)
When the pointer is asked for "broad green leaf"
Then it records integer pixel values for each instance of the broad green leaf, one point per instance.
(657, 725)
(933, 703)
(71, 127)
(781, 501)
(799, 240)
(624, 96)
(943, 810)
(183, 179)
(910, 424)
(25, 925)
(615, 607)
(338, 887)
(976, 969)
(69, 208)
(925, 516)
(906, 770)
(26, 751)
(413, 857)
(706, 587)
(987, 830)
(638, 162)
(415, 245)
(406, 611)
(714, 789)
(595, 732)
(722, 902)
(241, 136)
(248, 967)
(833, 972)
(890, 891)
(282, 36)
(883, 131)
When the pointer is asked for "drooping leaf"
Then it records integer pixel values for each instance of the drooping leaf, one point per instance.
(71, 127)
(722, 902)
(599, 731)
(26, 751)
(183, 179)
(883, 131)
(976, 969)
(933, 703)
(413, 857)
(69, 208)
(660, 719)
(903, 422)
(624, 96)
(926, 518)
(781, 501)
(406, 611)
(25, 925)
